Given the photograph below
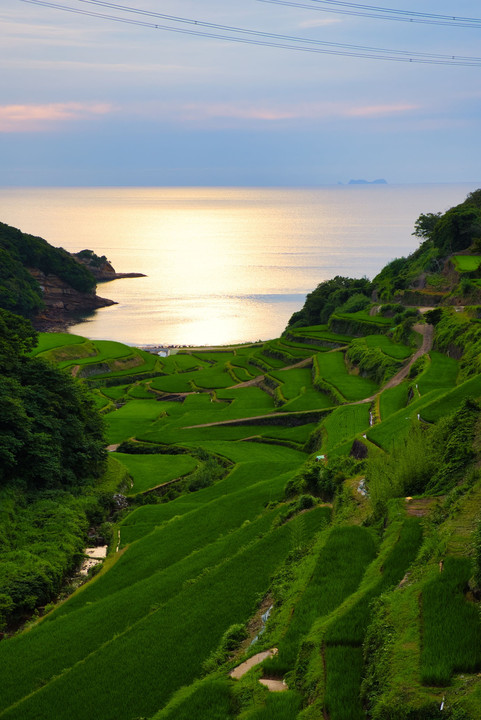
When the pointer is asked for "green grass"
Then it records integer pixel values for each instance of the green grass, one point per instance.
(245, 402)
(467, 263)
(451, 626)
(100, 400)
(393, 399)
(48, 341)
(143, 362)
(181, 382)
(396, 426)
(353, 387)
(278, 706)
(321, 332)
(338, 571)
(448, 402)
(220, 508)
(127, 642)
(183, 363)
(350, 627)
(66, 638)
(311, 399)
(116, 392)
(140, 391)
(134, 418)
(365, 317)
(344, 667)
(148, 471)
(294, 381)
(344, 423)
(394, 350)
(210, 698)
(106, 350)
(441, 372)
(143, 666)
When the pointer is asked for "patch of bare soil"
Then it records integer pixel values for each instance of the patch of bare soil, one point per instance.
(419, 507)
(274, 685)
(244, 667)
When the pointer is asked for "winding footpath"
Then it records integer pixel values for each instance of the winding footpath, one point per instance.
(427, 332)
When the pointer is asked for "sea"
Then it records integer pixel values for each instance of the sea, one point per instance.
(223, 265)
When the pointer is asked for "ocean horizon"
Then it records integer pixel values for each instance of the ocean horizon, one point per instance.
(223, 265)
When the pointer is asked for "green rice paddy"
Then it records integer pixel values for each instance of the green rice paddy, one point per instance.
(132, 641)
(149, 471)
(467, 263)
(334, 371)
(451, 626)
(440, 373)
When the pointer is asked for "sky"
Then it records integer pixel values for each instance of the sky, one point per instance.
(87, 100)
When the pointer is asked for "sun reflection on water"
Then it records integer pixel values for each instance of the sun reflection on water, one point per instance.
(223, 265)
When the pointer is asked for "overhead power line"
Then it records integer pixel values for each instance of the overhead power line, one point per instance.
(188, 26)
(380, 13)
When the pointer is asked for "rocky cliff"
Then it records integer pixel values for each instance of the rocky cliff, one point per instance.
(63, 304)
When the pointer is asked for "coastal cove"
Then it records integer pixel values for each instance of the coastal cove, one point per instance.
(223, 265)
(282, 530)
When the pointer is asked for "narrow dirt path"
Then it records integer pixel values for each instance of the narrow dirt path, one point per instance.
(306, 362)
(274, 685)
(244, 667)
(427, 331)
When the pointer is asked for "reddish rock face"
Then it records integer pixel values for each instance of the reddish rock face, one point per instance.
(63, 304)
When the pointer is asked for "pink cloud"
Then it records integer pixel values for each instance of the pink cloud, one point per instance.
(373, 111)
(264, 112)
(271, 113)
(33, 118)
(225, 110)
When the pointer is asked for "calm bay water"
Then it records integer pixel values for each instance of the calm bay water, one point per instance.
(223, 265)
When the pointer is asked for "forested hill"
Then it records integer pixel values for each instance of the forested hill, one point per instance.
(52, 450)
(435, 274)
(48, 285)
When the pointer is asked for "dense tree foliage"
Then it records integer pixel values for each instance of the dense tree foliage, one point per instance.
(51, 448)
(91, 259)
(443, 234)
(50, 434)
(456, 229)
(19, 292)
(329, 296)
(425, 224)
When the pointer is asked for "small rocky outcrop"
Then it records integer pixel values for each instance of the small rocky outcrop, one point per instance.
(100, 267)
(63, 304)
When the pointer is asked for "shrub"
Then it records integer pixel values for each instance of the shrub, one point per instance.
(305, 502)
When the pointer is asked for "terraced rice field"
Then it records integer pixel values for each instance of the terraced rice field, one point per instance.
(352, 387)
(187, 565)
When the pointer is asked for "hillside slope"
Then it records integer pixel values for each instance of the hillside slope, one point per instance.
(315, 499)
(43, 283)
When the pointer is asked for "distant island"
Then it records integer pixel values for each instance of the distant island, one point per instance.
(380, 181)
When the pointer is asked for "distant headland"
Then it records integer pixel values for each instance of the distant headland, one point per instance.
(49, 285)
(380, 181)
